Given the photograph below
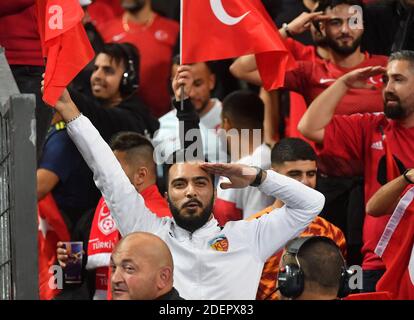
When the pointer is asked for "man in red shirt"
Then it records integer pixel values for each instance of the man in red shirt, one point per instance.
(343, 37)
(135, 154)
(376, 146)
(155, 37)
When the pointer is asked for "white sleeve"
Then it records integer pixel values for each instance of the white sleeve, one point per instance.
(269, 233)
(125, 203)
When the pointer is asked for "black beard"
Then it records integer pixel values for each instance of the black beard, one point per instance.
(395, 113)
(321, 42)
(135, 7)
(193, 223)
(203, 107)
(344, 51)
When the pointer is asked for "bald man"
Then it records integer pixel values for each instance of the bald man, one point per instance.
(142, 269)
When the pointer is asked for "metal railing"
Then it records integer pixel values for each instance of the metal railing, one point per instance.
(18, 215)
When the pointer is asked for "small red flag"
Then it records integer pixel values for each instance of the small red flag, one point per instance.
(396, 248)
(52, 228)
(218, 29)
(64, 43)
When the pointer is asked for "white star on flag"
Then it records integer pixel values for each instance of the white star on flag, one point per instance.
(44, 227)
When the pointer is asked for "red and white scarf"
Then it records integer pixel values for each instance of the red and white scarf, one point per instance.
(103, 238)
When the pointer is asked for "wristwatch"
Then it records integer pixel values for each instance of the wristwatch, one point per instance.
(406, 178)
(286, 28)
(258, 180)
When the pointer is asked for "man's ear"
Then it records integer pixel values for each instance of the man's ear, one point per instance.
(164, 277)
(140, 175)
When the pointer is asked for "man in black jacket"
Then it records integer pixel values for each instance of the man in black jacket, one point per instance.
(115, 106)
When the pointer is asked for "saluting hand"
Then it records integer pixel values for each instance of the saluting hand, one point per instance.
(358, 78)
(240, 175)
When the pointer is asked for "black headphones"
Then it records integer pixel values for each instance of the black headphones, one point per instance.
(291, 279)
(130, 77)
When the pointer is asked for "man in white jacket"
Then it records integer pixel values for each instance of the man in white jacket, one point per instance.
(210, 262)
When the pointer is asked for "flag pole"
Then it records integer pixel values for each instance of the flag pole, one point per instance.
(181, 53)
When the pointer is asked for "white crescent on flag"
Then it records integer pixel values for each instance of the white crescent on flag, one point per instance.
(222, 14)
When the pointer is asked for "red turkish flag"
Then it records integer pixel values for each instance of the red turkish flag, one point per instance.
(64, 43)
(52, 228)
(396, 248)
(221, 29)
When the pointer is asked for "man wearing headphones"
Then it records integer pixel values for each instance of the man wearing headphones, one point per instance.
(114, 107)
(114, 82)
(312, 268)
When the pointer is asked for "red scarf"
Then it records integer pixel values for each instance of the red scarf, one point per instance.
(105, 235)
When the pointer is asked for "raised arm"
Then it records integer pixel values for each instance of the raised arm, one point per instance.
(387, 197)
(245, 68)
(322, 109)
(271, 232)
(271, 100)
(301, 23)
(125, 203)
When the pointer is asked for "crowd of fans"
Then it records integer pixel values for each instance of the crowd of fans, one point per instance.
(134, 125)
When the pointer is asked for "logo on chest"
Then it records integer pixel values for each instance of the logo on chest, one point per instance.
(106, 223)
(219, 243)
(161, 35)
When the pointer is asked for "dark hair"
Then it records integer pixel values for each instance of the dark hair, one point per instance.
(322, 263)
(123, 52)
(127, 140)
(135, 145)
(244, 109)
(325, 4)
(406, 55)
(292, 149)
